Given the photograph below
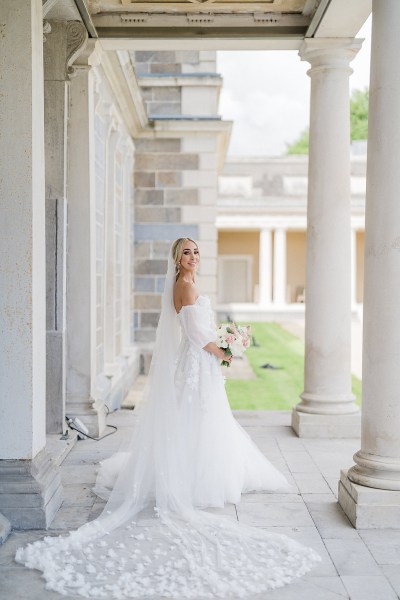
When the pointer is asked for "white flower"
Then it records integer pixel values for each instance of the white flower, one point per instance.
(237, 348)
(90, 569)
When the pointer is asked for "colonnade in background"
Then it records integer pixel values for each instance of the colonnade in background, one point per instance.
(273, 267)
(369, 492)
(60, 251)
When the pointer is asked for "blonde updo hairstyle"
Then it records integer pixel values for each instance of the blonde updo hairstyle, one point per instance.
(177, 251)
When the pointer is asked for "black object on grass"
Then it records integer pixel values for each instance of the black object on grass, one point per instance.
(269, 366)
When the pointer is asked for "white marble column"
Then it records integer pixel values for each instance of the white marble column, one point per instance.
(127, 280)
(30, 486)
(63, 41)
(361, 491)
(353, 258)
(327, 407)
(265, 267)
(110, 353)
(280, 266)
(81, 257)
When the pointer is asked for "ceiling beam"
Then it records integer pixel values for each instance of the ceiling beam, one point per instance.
(177, 42)
(83, 9)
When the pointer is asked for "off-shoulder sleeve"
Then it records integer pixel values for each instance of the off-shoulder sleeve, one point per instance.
(196, 323)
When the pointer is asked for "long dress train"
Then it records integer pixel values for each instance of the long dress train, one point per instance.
(187, 453)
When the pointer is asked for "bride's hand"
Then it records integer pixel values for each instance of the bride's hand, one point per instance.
(226, 357)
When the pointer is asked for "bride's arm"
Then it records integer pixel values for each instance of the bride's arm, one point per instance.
(194, 329)
(219, 352)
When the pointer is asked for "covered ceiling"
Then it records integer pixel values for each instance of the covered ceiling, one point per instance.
(273, 19)
(214, 24)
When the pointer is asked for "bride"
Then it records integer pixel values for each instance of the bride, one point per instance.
(187, 453)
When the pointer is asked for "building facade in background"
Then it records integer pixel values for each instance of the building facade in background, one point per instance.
(262, 227)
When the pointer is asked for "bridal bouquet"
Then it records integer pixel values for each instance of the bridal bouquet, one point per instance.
(234, 339)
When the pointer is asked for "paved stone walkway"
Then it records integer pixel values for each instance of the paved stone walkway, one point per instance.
(360, 565)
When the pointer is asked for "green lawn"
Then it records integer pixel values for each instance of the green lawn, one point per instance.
(273, 390)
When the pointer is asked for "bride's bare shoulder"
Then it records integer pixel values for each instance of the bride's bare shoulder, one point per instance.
(184, 293)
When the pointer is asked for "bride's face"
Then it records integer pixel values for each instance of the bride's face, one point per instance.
(190, 257)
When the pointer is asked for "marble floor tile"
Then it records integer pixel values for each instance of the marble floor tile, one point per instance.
(20, 583)
(319, 498)
(333, 483)
(333, 584)
(367, 560)
(71, 517)
(74, 474)
(308, 536)
(15, 541)
(272, 514)
(322, 588)
(257, 417)
(290, 443)
(330, 519)
(78, 495)
(352, 557)
(96, 511)
(392, 574)
(229, 511)
(368, 588)
(271, 497)
(383, 545)
(299, 462)
(311, 483)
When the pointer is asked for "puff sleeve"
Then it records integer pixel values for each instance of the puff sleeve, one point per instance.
(197, 325)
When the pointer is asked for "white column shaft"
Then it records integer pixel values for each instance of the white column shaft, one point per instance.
(22, 229)
(353, 255)
(81, 265)
(81, 250)
(55, 133)
(280, 266)
(327, 373)
(378, 462)
(127, 312)
(265, 267)
(110, 250)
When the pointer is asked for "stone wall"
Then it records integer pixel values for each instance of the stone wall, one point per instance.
(114, 199)
(175, 175)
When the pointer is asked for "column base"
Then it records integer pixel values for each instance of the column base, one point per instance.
(5, 528)
(55, 382)
(30, 491)
(366, 507)
(309, 425)
(91, 412)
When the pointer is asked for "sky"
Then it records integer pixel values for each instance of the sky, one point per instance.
(267, 93)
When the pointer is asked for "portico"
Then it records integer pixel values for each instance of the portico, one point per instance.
(136, 165)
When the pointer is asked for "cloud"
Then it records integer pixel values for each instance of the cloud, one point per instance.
(267, 93)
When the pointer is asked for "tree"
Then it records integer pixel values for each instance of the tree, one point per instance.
(358, 123)
(300, 146)
(359, 114)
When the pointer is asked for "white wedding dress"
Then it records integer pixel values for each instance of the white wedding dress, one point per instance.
(187, 453)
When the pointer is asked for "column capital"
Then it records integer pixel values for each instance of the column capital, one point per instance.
(334, 53)
(65, 41)
(77, 40)
(89, 56)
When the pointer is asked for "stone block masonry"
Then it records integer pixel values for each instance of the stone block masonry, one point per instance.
(175, 176)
